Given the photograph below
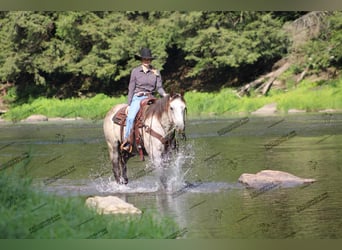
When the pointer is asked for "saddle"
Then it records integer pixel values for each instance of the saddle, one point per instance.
(135, 137)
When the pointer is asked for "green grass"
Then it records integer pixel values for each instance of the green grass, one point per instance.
(25, 213)
(309, 96)
(312, 97)
(90, 108)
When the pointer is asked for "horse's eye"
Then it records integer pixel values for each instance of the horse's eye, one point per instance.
(171, 108)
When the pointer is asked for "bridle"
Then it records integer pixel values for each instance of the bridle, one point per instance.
(169, 136)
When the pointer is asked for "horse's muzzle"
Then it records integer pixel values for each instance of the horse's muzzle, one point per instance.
(180, 128)
(181, 132)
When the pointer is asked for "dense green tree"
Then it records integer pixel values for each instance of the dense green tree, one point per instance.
(72, 53)
(235, 41)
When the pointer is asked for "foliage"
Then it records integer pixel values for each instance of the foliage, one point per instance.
(216, 46)
(83, 53)
(326, 49)
(72, 53)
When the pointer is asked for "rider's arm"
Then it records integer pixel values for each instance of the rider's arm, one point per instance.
(159, 85)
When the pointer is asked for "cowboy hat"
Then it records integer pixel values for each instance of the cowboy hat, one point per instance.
(145, 53)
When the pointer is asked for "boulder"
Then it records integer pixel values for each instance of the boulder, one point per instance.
(268, 109)
(36, 118)
(329, 110)
(111, 205)
(272, 177)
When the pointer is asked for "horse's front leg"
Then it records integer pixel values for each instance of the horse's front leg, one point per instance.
(157, 157)
(160, 162)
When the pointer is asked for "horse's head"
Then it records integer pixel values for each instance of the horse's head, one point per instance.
(177, 111)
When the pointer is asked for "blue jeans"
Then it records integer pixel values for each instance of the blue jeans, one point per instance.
(132, 112)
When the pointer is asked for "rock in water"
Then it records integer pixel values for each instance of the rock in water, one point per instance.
(268, 177)
(36, 118)
(111, 205)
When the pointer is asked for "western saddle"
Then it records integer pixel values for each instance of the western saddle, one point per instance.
(136, 136)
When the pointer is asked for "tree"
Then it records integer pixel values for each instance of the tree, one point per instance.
(73, 53)
(234, 41)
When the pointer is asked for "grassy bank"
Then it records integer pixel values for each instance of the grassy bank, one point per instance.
(26, 213)
(89, 108)
(308, 96)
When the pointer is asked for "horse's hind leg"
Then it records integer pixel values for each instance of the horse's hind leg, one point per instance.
(115, 160)
(123, 167)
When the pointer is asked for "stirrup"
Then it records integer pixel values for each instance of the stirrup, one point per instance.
(126, 146)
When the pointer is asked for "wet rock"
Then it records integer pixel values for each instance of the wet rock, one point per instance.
(64, 119)
(36, 118)
(329, 110)
(272, 177)
(268, 109)
(294, 111)
(111, 205)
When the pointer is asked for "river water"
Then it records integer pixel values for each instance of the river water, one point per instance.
(203, 194)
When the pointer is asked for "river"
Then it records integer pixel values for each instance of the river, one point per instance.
(203, 194)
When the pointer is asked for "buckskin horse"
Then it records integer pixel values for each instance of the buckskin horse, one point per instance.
(153, 134)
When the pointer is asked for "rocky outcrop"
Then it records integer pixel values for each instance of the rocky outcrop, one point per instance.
(295, 111)
(272, 177)
(36, 118)
(268, 109)
(64, 119)
(111, 205)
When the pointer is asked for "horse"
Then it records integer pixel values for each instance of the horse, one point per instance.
(161, 121)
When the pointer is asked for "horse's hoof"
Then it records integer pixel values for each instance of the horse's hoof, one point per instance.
(126, 147)
(123, 180)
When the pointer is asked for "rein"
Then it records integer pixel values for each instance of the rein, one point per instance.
(163, 139)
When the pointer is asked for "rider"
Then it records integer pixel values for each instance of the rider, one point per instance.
(143, 82)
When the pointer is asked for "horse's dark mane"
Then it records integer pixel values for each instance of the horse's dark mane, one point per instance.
(161, 106)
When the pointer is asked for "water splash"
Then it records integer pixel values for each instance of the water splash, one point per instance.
(178, 166)
(169, 178)
(109, 185)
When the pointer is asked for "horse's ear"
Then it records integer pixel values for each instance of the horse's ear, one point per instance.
(171, 93)
(182, 92)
